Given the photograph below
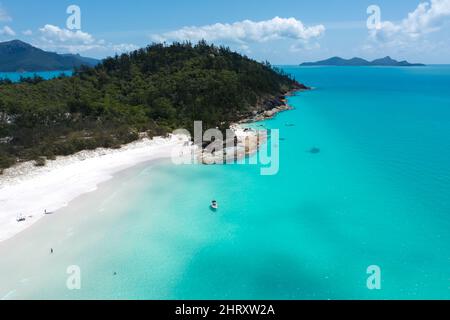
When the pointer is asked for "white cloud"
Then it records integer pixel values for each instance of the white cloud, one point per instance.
(427, 18)
(301, 46)
(27, 32)
(4, 16)
(246, 31)
(64, 40)
(51, 34)
(123, 47)
(7, 31)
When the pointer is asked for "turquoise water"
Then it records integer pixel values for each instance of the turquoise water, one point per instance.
(376, 194)
(15, 76)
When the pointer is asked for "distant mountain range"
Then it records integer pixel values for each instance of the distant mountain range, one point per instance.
(18, 56)
(355, 62)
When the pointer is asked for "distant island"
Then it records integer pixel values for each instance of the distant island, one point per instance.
(359, 62)
(18, 56)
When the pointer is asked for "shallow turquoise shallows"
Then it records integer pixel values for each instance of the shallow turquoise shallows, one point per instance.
(377, 193)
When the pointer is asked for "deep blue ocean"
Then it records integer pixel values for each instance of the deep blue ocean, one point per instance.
(377, 193)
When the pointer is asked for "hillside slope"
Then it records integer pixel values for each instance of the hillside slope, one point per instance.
(18, 56)
(155, 89)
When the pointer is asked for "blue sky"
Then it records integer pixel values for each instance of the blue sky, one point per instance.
(283, 31)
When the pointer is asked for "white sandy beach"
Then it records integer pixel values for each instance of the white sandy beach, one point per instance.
(29, 190)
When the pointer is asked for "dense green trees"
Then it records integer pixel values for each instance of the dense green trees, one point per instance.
(155, 89)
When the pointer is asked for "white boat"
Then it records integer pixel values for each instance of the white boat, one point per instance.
(214, 205)
(20, 218)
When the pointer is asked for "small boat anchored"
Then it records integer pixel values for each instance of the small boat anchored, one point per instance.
(214, 205)
(20, 218)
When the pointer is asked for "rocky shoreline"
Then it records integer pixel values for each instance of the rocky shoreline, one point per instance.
(269, 107)
(248, 141)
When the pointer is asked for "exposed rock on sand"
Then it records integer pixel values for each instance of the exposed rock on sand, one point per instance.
(247, 143)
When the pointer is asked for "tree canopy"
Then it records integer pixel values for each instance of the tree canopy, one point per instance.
(155, 90)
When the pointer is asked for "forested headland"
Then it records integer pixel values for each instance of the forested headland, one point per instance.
(155, 90)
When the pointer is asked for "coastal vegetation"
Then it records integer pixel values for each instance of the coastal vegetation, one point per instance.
(153, 90)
